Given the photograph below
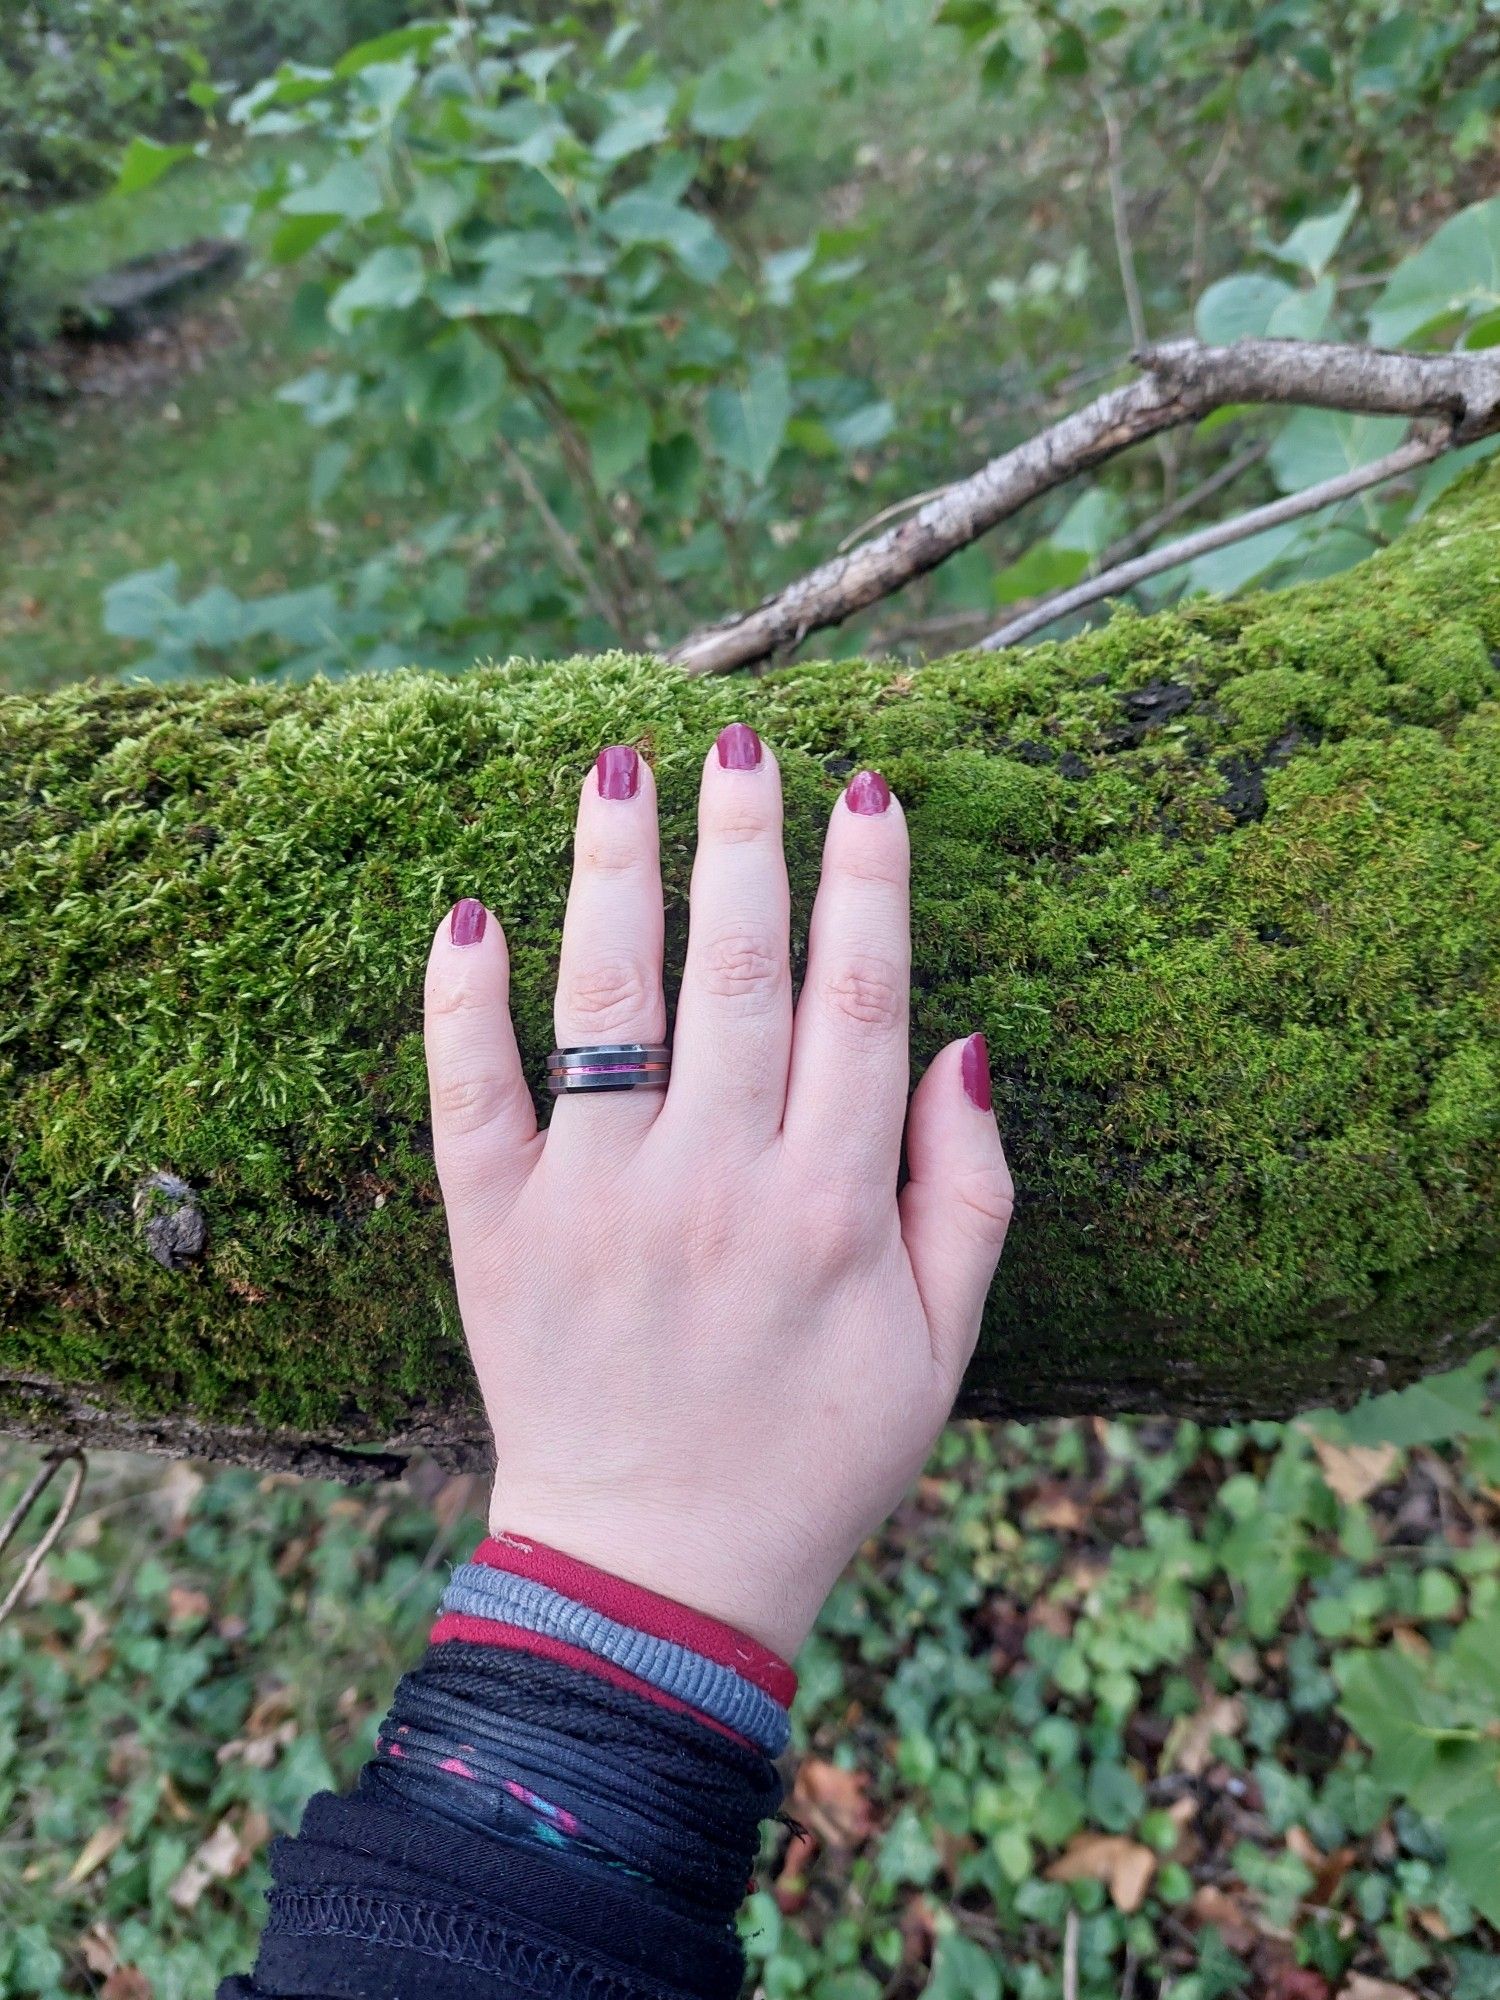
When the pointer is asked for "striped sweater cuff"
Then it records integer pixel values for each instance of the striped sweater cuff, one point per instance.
(646, 1610)
(714, 1690)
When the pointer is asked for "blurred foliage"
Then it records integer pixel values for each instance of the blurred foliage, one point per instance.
(530, 253)
(1217, 1703)
(78, 77)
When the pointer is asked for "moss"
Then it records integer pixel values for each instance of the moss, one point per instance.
(1222, 888)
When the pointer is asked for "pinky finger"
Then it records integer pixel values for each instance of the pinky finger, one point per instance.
(956, 1207)
(484, 1129)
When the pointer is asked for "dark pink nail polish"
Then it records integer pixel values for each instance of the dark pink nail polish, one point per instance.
(976, 1069)
(739, 747)
(867, 792)
(619, 770)
(466, 922)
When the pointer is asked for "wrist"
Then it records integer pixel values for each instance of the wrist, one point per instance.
(677, 1560)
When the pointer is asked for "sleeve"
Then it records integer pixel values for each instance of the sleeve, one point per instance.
(565, 1803)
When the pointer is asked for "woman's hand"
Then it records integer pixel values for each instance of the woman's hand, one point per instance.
(714, 1346)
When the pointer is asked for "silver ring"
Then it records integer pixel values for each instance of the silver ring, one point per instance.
(609, 1066)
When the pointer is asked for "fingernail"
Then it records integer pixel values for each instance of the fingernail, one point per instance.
(976, 1068)
(867, 792)
(619, 770)
(739, 747)
(466, 922)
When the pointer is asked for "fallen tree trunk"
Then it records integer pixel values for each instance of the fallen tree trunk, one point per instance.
(1222, 887)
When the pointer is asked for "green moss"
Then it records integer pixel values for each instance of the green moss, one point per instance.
(1221, 887)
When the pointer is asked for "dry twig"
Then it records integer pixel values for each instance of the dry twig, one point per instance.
(1181, 382)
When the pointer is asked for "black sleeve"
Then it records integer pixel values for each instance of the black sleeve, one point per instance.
(525, 1829)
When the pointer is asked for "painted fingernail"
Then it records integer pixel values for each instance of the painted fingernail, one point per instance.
(867, 792)
(739, 747)
(466, 922)
(976, 1069)
(619, 770)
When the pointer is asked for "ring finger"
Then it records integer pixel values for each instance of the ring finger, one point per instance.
(609, 984)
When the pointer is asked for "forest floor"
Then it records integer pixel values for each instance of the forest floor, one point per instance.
(1092, 1716)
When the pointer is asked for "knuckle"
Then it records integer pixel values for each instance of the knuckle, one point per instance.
(607, 853)
(445, 998)
(987, 1197)
(612, 993)
(874, 862)
(738, 823)
(868, 994)
(469, 1100)
(742, 963)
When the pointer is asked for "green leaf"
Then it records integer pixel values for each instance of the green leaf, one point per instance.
(1305, 314)
(639, 118)
(1456, 272)
(1313, 244)
(387, 281)
(297, 236)
(1444, 1406)
(962, 1970)
(415, 40)
(1044, 568)
(137, 606)
(492, 290)
(643, 217)
(747, 426)
(1314, 445)
(146, 161)
(907, 1853)
(726, 103)
(674, 465)
(863, 428)
(1239, 306)
(782, 268)
(1472, 1836)
(618, 440)
(348, 189)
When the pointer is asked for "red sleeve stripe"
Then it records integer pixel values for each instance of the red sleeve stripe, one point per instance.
(632, 1604)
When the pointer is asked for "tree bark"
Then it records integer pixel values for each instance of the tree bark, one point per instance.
(1221, 887)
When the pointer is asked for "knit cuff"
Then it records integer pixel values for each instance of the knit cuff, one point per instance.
(645, 1610)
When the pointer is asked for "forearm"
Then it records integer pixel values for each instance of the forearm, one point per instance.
(565, 1799)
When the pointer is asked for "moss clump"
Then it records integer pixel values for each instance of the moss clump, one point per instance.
(1221, 887)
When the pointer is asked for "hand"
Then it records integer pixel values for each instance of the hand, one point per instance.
(714, 1346)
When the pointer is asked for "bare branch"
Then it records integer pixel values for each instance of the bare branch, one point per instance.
(1182, 381)
(1124, 576)
(1119, 213)
(562, 541)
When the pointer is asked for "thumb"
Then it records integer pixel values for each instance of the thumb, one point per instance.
(956, 1207)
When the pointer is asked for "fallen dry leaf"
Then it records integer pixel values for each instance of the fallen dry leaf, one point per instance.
(1360, 1986)
(1225, 1912)
(222, 1856)
(99, 1951)
(95, 1851)
(184, 1606)
(126, 1982)
(1125, 1866)
(174, 1495)
(1353, 1470)
(833, 1803)
(790, 1889)
(1055, 1507)
(1189, 1744)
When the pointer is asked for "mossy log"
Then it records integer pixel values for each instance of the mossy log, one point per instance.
(1222, 887)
